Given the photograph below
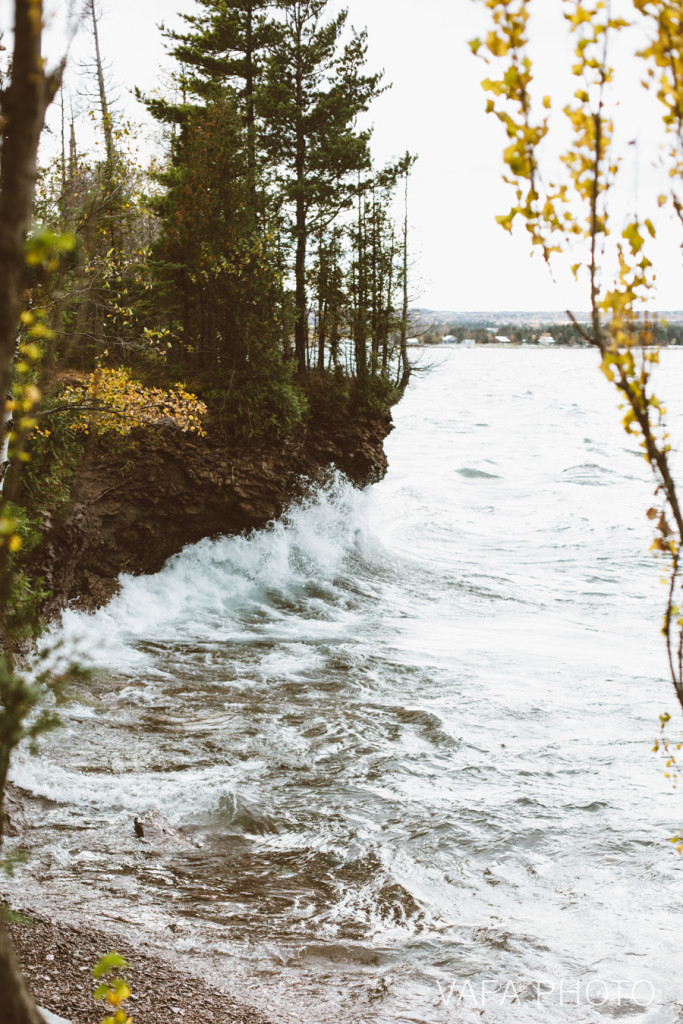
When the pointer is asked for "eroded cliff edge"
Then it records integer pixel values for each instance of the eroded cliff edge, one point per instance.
(129, 511)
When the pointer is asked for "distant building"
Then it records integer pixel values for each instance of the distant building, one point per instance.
(546, 339)
(449, 339)
(502, 339)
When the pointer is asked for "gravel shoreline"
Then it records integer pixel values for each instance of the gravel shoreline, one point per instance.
(57, 961)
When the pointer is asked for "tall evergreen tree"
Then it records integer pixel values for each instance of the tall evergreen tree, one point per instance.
(223, 50)
(377, 268)
(328, 274)
(315, 87)
(215, 271)
(406, 169)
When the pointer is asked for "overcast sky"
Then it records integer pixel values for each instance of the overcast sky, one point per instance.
(435, 108)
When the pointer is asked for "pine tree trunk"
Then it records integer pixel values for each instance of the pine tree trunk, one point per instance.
(360, 335)
(405, 362)
(249, 90)
(301, 325)
(301, 322)
(322, 333)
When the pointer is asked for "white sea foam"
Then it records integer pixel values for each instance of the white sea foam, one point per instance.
(216, 587)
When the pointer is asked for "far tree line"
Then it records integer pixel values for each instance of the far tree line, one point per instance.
(657, 332)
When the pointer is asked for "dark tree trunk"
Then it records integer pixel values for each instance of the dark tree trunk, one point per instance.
(301, 229)
(376, 292)
(23, 107)
(322, 333)
(24, 104)
(405, 362)
(249, 89)
(360, 333)
(301, 325)
(18, 1006)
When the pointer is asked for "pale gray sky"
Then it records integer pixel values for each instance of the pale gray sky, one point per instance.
(436, 109)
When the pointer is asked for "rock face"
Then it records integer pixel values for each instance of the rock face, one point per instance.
(129, 513)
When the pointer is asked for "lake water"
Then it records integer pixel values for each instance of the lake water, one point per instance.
(410, 727)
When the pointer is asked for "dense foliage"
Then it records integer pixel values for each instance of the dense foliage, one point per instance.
(258, 246)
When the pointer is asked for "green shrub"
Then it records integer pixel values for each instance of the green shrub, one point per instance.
(46, 478)
(374, 395)
(328, 393)
(262, 401)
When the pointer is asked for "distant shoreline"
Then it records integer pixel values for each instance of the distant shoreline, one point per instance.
(533, 316)
(455, 346)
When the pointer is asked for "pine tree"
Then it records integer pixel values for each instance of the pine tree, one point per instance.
(378, 272)
(330, 294)
(223, 50)
(314, 90)
(105, 106)
(406, 166)
(215, 271)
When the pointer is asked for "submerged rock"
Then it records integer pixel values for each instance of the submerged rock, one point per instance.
(16, 822)
(157, 830)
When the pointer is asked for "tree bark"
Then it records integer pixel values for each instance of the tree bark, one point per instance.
(107, 126)
(405, 361)
(249, 90)
(24, 104)
(301, 324)
(360, 332)
(301, 229)
(18, 1006)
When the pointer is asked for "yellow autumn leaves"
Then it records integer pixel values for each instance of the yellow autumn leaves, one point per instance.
(112, 401)
(114, 991)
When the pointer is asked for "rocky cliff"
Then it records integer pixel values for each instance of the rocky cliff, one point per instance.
(130, 512)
